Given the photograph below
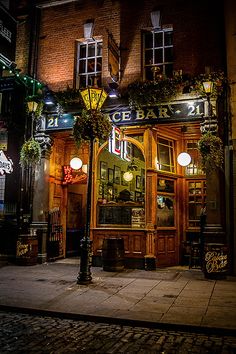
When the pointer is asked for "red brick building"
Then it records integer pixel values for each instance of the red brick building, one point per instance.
(68, 45)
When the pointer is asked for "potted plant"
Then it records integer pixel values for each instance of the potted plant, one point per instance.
(30, 152)
(91, 125)
(211, 151)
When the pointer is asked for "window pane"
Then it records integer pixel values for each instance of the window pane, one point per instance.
(148, 57)
(158, 39)
(99, 64)
(82, 53)
(168, 52)
(158, 56)
(164, 157)
(91, 65)
(148, 73)
(165, 211)
(99, 49)
(82, 66)
(148, 40)
(82, 81)
(168, 38)
(91, 50)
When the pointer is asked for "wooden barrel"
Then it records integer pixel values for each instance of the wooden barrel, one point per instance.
(27, 250)
(113, 254)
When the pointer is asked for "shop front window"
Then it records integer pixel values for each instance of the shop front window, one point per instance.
(165, 155)
(196, 201)
(121, 186)
(194, 168)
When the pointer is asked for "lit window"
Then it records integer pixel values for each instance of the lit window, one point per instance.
(194, 168)
(158, 53)
(165, 155)
(89, 63)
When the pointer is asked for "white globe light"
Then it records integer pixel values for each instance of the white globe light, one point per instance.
(128, 176)
(184, 159)
(76, 163)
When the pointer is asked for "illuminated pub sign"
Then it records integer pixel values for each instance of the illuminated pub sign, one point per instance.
(170, 112)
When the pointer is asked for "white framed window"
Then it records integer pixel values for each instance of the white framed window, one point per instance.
(158, 53)
(89, 63)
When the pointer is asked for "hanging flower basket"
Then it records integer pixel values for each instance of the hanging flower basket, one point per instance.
(30, 153)
(211, 151)
(91, 125)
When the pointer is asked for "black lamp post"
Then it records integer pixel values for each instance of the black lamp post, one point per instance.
(93, 99)
(27, 174)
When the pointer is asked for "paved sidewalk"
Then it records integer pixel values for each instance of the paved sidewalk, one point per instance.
(176, 296)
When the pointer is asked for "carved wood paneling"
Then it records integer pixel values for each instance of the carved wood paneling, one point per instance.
(134, 241)
(166, 248)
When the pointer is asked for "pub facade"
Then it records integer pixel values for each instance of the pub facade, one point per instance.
(142, 192)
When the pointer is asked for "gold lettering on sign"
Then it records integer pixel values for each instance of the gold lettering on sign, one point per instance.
(151, 114)
(140, 114)
(215, 262)
(163, 112)
(126, 115)
(116, 117)
(21, 248)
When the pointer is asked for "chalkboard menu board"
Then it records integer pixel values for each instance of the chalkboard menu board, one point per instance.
(119, 215)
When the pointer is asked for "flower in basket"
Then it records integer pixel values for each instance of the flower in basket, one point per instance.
(91, 125)
(211, 151)
(30, 152)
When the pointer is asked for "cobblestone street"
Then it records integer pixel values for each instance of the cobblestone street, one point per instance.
(24, 333)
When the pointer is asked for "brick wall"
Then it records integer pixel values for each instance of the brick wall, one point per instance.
(198, 36)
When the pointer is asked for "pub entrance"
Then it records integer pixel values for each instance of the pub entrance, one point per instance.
(74, 221)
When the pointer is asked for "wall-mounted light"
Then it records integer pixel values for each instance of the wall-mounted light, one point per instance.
(76, 163)
(156, 18)
(88, 29)
(113, 93)
(184, 159)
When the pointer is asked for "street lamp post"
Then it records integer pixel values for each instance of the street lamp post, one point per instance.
(26, 178)
(93, 99)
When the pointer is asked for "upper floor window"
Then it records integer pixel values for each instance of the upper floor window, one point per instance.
(158, 53)
(89, 63)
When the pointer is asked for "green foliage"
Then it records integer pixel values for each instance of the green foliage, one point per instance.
(68, 97)
(211, 151)
(218, 79)
(148, 93)
(39, 100)
(91, 125)
(30, 152)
